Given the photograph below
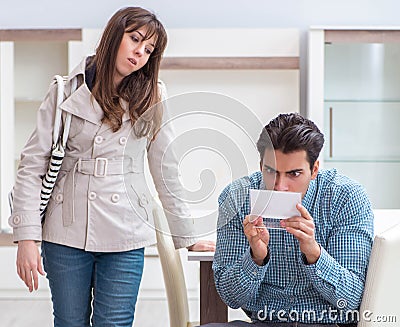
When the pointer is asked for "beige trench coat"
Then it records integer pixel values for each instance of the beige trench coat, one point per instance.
(101, 200)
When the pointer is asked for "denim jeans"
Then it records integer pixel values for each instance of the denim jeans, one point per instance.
(92, 288)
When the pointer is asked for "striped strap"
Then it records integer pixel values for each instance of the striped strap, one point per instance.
(58, 148)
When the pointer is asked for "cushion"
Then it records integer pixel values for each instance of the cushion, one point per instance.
(379, 305)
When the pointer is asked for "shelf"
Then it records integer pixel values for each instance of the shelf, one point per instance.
(6, 238)
(177, 63)
(363, 101)
(362, 36)
(41, 35)
(29, 100)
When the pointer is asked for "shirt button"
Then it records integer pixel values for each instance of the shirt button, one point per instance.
(319, 272)
(59, 197)
(255, 273)
(92, 195)
(115, 198)
(16, 220)
(98, 139)
(122, 140)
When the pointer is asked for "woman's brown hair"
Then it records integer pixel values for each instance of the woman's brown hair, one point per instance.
(140, 88)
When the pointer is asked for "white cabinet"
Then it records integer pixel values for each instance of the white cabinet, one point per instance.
(354, 96)
(256, 68)
(28, 61)
(223, 85)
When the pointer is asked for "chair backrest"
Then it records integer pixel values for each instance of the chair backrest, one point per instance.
(379, 305)
(174, 280)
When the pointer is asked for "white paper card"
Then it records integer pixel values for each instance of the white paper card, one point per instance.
(274, 206)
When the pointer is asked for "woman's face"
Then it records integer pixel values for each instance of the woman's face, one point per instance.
(133, 53)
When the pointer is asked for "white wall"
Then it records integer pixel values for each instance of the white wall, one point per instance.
(206, 13)
(298, 14)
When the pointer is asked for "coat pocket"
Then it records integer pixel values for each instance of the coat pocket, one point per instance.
(141, 202)
(57, 196)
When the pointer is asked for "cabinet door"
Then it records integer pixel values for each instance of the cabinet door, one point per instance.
(35, 65)
(354, 97)
(362, 71)
(359, 131)
(380, 179)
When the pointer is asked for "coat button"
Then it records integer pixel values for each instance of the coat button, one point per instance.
(98, 139)
(122, 140)
(115, 198)
(92, 195)
(59, 198)
(17, 220)
(143, 200)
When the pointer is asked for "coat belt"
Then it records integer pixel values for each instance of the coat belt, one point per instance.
(99, 168)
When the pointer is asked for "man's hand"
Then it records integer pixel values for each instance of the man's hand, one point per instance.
(202, 246)
(29, 264)
(303, 229)
(258, 236)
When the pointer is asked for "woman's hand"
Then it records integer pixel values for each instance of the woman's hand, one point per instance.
(29, 263)
(202, 246)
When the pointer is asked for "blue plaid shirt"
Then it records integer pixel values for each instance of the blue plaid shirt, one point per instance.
(286, 288)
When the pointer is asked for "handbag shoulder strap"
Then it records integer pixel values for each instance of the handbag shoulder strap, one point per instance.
(61, 81)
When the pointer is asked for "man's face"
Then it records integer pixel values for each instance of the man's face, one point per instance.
(289, 172)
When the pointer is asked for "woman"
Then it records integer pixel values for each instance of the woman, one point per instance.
(98, 219)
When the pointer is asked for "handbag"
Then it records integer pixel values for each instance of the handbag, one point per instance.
(60, 137)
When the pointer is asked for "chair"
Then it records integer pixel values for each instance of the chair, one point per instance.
(174, 280)
(379, 306)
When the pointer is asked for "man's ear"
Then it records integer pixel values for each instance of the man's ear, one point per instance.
(315, 169)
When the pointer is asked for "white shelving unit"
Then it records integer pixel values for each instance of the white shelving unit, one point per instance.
(353, 96)
(257, 69)
(264, 77)
(28, 61)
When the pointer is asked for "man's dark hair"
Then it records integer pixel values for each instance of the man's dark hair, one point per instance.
(289, 133)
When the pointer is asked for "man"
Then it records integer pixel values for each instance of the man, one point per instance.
(312, 271)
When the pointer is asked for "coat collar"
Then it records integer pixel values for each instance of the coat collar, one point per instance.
(81, 103)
